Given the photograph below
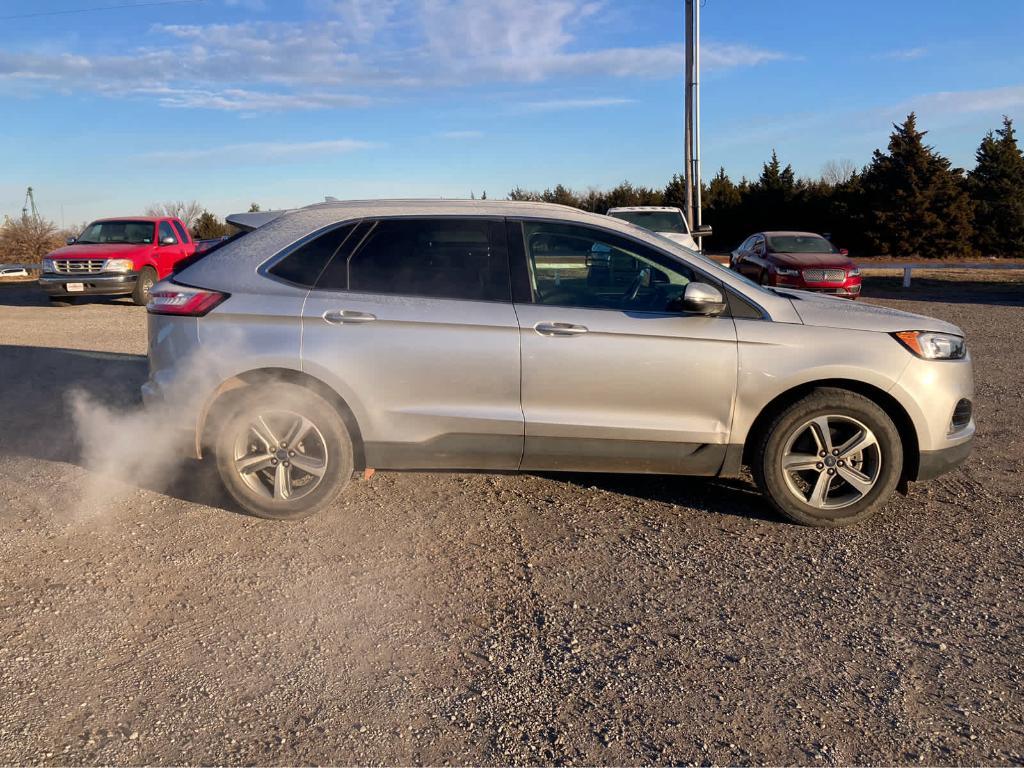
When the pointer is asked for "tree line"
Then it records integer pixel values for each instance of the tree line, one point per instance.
(908, 201)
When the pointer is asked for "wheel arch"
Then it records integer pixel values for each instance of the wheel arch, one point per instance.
(892, 407)
(216, 406)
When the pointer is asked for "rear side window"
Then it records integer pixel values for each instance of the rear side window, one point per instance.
(180, 230)
(166, 231)
(433, 258)
(304, 265)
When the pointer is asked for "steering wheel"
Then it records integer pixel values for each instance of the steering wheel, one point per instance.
(638, 281)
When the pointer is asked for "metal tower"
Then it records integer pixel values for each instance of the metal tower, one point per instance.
(30, 205)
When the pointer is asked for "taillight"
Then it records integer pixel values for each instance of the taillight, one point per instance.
(183, 300)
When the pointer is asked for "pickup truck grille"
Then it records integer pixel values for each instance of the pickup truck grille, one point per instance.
(78, 266)
(824, 275)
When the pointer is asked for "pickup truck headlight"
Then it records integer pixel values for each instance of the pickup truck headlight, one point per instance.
(48, 265)
(933, 346)
(787, 272)
(119, 265)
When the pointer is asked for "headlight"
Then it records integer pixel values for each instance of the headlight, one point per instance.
(48, 265)
(855, 272)
(787, 272)
(119, 265)
(933, 346)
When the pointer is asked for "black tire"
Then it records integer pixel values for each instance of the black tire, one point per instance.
(328, 443)
(847, 410)
(143, 285)
(62, 301)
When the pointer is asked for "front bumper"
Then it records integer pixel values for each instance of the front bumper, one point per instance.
(935, 463)
(849, 289)
(100, 284)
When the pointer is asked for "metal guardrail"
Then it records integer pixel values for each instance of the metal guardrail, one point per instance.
(908, 269)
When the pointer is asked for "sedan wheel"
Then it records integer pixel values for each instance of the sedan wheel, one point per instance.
(832, 458)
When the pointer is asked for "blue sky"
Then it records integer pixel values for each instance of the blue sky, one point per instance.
(285, 101)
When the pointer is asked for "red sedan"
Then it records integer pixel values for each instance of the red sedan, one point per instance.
(800, 260)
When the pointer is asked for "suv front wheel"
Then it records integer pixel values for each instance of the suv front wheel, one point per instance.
(832, 458)
(283, 452)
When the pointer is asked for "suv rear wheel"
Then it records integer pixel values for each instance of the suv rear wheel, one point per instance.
(832, 458)
(283, 452)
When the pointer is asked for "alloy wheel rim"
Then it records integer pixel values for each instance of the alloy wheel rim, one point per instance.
(831, 462)
(281, 455)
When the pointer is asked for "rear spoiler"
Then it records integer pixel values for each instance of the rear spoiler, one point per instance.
(247, 222)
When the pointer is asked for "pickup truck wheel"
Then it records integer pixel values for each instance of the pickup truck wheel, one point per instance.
(831, 459)
(143, 285)
(283, 452)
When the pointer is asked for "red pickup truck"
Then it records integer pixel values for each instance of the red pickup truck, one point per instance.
(116, 257)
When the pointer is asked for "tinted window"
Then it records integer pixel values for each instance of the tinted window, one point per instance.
(180, 230)
(574, 266)
(437, 258)
(304, 265)
(801, 244)
(166, 231)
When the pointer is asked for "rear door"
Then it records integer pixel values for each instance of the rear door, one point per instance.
(412, 322)
(616, 377)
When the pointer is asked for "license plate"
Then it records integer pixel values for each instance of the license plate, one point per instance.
(74, 287)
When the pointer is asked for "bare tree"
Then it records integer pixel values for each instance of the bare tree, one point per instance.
(836, 172)
(188, 212)
(28, 239)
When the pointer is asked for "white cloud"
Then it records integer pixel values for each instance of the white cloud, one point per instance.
(457, 135)
(903, 54)
(556, 105)
(263, 151)
(361, 51)
(960, 102)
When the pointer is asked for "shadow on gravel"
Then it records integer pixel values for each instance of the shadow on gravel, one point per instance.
(1008, 292)
(36, 420)
(31, 295)
(708, 494)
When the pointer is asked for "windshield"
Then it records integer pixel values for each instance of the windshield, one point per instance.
(118, 233)
(800, 244)
(655, 221)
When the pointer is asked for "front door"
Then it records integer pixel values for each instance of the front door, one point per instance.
(412, 322)
(616, 377)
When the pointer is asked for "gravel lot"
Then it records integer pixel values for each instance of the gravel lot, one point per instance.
(436, 618)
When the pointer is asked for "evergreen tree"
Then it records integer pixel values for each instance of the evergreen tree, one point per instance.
(675, 192)
(561, 195)
(917, 205)
(997, 187)
(208, 227)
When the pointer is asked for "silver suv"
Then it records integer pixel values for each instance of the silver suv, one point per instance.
(524, 336)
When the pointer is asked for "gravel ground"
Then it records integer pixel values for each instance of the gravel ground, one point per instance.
(457, 618)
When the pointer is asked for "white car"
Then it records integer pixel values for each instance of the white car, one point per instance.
(13, 272)
(667, 221)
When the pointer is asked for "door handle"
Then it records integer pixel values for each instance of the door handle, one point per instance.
(559, 329)
(348, 317)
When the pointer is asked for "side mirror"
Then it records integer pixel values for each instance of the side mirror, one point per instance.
(71, 240)
(703, 230)
(703, 299)
(168, 240)
(844, 252)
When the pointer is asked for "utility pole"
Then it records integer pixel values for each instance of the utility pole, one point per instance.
(688, 117)
(691, 137)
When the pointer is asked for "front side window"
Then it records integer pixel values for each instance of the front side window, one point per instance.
(576, 266)
(166, 231)
(117, 233)
(435, 258)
